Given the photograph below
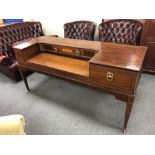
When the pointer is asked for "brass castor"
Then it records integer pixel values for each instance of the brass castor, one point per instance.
(124, 130)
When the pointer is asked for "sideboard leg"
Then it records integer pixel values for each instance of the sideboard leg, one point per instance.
(22, 73)
(129, 105)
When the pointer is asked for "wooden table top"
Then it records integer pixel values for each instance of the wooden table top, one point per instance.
(110, 54)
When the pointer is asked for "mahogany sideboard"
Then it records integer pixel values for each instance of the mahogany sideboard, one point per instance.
(114, 68)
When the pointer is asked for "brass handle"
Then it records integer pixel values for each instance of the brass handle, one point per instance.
(77, 52)
(55, 49)
(110, 76)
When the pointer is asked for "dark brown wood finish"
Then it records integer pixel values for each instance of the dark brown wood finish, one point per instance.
(123, 80)
(148, 39)
(22, 73)
(69, 51)
(114, 68)
(120, 56)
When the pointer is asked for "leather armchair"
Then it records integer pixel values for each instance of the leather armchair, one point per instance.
(83, 30)
(124, 31)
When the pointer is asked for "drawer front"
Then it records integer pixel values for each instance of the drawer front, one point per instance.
(77, 52)
(117, 79)
(49, 48)
(72, 51)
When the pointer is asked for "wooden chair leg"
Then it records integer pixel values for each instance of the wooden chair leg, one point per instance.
(22, 73)
(129, 105)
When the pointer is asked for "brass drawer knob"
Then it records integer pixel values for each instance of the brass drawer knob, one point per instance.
(77, 52)
(110, 76)
(55, 49)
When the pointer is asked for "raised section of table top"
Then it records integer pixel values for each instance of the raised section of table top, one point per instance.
(120, 56)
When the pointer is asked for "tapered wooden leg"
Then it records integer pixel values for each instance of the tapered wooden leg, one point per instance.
(22, 73)
(129, 105)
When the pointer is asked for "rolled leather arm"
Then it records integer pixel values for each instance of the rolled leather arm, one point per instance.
(5, 61)
(12, 125)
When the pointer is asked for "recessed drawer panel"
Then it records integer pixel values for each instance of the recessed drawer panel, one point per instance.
(112, 77)
(89, 53)
(49, 48)
(71, 51)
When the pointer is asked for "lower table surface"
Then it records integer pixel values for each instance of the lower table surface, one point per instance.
(76, 66)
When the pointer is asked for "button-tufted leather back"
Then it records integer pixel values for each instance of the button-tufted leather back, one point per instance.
(36, 29)
(121, 31)
(16, 32)
(83, 30)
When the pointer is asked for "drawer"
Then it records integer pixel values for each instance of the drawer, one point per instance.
(49, 48)
(61, 49)
(72, 51)
(89, 53)
(78, 52)
(115, 78)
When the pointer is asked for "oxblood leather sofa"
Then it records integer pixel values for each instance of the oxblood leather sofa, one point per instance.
(11, 34)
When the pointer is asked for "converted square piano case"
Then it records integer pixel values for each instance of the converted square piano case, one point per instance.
(114, 68)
